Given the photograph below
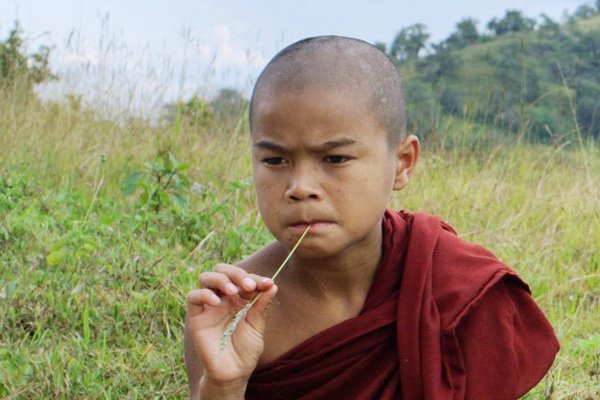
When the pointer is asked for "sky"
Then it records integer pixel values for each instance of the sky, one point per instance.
(140, 54)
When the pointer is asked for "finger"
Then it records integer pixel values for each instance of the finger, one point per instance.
(238, 276)
(262, 283)
(201, 297)
(218, 281)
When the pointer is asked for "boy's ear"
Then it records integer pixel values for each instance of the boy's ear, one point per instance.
(407, 155)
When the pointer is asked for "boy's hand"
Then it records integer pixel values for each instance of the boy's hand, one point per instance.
(211, 307)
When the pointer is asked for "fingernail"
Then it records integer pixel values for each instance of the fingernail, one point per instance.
(249, 283)
(231, 288)
(215, 300)
(266, 280)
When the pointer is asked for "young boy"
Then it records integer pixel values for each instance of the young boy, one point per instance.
(374, 304)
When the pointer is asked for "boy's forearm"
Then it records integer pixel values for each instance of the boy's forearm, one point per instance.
(209, 390)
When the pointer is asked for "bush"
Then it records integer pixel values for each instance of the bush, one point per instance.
(20, 71)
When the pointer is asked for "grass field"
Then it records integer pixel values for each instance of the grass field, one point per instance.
(93, 281)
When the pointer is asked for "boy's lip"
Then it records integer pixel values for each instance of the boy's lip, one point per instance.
(315, 225)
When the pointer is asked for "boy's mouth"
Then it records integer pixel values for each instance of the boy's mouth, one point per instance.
(315, 225)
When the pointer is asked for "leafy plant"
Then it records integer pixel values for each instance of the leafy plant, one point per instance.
(162, 184)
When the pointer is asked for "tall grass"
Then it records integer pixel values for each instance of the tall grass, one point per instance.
(92, 289)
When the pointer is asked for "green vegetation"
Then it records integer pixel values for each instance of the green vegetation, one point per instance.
(105, 225)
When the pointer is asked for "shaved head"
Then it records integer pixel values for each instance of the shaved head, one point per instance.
(347, 65)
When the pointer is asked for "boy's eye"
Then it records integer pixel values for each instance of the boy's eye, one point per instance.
(274, 160)
(336, 159)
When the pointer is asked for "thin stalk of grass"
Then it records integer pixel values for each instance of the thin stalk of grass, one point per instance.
(97, 186)
(241, 314)
(200, 245)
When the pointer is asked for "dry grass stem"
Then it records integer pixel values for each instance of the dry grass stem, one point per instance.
(244, 311)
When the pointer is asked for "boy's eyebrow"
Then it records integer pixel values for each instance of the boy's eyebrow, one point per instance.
(332, 144)
(329, 145)
(268, 145)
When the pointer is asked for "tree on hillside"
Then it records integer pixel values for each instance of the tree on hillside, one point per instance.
(442, 63)
(513, 21)
(409, 42)
(20, 71)
(586, 11)
(466, 34)
(548, 24)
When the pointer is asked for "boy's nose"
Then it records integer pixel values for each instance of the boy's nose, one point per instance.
(302, 186)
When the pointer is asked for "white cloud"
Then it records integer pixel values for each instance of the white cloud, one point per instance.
(224, 48)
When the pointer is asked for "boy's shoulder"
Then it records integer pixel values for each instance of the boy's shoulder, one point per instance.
(264, 261)
(465, 272)
(465, 309)
(459, 273)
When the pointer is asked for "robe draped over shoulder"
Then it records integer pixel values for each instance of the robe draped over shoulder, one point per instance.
(443, 320)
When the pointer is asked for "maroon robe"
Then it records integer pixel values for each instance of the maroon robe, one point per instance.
(444, 319)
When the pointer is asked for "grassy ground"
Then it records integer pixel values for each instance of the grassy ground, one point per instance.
(93, 282)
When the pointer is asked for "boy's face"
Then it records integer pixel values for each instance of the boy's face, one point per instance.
(320, 158)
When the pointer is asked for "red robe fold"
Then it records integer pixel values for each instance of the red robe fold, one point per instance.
(443, 320)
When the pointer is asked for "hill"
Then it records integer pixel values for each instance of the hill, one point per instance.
(540, 82)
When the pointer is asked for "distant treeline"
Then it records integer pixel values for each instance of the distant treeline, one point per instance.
(534, 77)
